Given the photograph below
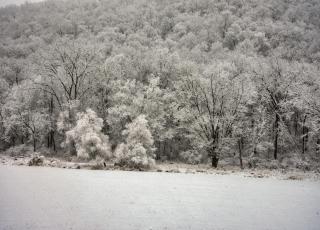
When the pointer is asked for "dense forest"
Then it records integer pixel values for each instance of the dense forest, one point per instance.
(136, 81)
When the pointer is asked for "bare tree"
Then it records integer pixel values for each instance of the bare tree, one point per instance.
(275, 79)
(67, 70)
(210, 106)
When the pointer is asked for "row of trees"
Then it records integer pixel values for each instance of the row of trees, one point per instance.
(186, 81)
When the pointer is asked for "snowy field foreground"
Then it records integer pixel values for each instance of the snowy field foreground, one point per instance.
(53, 198)
(16, 2)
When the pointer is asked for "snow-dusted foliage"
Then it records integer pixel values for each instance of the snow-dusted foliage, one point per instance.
(67, 118)
(205, 73)
(138, 152)
(191, 156)
(19, 119)
(87, 137)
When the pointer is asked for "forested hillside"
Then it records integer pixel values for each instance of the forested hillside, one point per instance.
(142, 80)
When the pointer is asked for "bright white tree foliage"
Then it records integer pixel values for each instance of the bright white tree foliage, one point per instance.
(138, 151)
(87, 137)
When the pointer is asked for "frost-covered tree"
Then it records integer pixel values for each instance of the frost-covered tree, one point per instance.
(128, 99)
(87, 137)
(67, 69)
(23, 115)
(208, 106)
(138, 151)
(4, 87)
(275, 80)
(308, 105)
(125, 102)
(13, 69)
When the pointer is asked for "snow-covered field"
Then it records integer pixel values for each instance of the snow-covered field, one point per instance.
(16, 2)
(53, 198)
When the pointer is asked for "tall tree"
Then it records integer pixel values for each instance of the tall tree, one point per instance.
(208, 108)
(275, 80)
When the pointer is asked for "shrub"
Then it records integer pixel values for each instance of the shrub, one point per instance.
(36, 160)
(274, 164)
(303, 165)
(19, 150)
(138, 152)
(87, 137)
(253, 162)
(191, 156)
(99, 164)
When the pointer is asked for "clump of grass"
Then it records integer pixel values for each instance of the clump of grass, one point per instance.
(294, 177)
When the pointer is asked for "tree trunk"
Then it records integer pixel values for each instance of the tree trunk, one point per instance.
(214, 157)
(171, 150)
(276, 136)
(214, 161)
(34, 144)
(48, 141)
(52, 141)
(255, 151)
(240, 145)
(72, 149)
(317, 146)
(158, 150)
(304, 135)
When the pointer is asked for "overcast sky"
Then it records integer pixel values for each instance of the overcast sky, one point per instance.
(8, 2)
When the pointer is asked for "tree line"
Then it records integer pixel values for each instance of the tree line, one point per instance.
(141, 80)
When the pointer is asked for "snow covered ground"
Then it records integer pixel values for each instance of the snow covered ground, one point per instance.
(16, 2)
(54, 198)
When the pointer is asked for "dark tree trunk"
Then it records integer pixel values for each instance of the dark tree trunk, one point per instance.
(34, 144)
(255, 152)
(158, 150)
(48, 141)
(317, 147)
(72, 149)
(304, 136)
(240, 145)
(296, 124)
(52, 141)
(214, 157)
(171, 150)
(276, 136)
(13, 141)
(214, 161)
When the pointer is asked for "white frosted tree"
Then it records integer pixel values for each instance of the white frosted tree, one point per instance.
(67, 69)
(87, 137)
(23, 116)
(276, 80)
(138, 152)
(208, 106)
